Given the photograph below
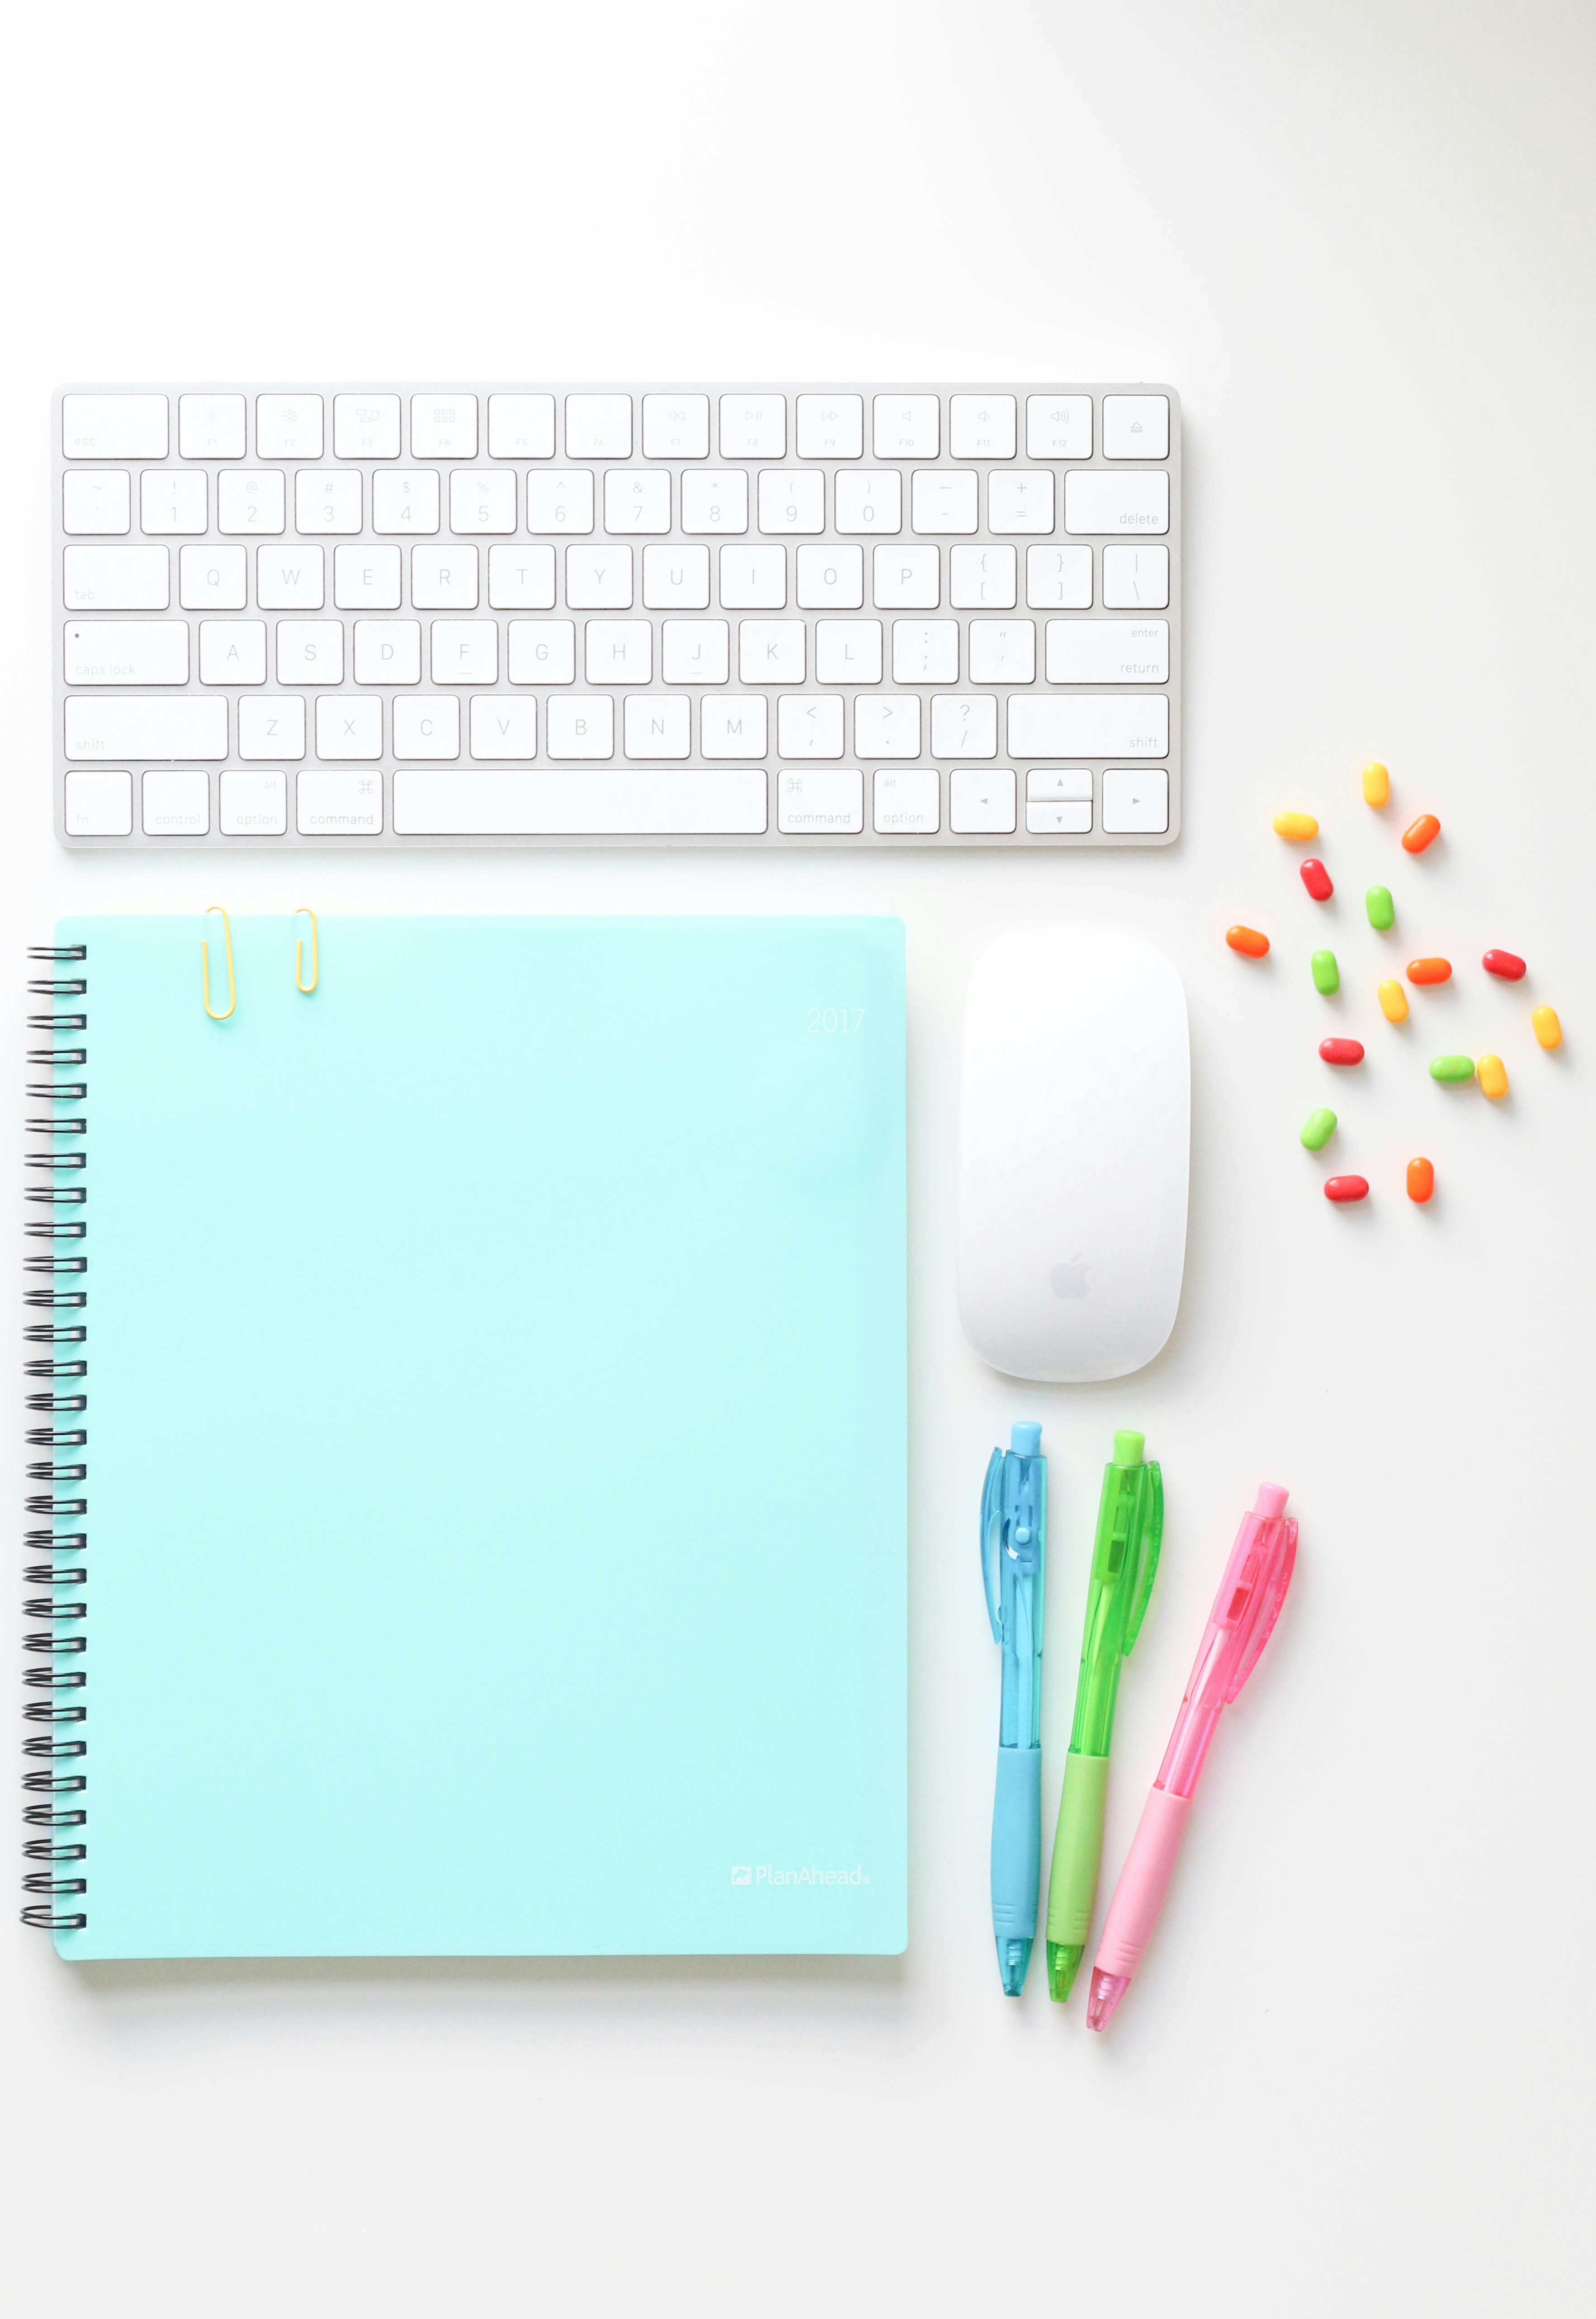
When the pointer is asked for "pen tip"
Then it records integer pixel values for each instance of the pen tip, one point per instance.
(1063, 1964)
(1013, 1957)
(1107, 1989)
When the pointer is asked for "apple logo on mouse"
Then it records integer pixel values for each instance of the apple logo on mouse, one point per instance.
(1068, 1279)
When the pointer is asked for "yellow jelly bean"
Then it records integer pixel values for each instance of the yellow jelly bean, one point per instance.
(1492, 1074)
(1394, 1002)
(1376, 785)
(1298, 826)
(1548, 1030)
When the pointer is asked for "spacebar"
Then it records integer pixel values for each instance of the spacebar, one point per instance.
(620, 802)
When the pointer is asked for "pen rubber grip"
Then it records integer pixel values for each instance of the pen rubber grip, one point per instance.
(1143, 1882)
(1077, 1850)
(1016, 1843)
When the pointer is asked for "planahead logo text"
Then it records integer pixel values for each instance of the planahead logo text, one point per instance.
(765, 1874)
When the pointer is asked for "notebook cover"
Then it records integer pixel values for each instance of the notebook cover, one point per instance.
(496, 1439)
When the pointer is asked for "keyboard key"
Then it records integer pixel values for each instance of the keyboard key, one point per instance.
(1057, 425)
(734, 726)
(964, 725)
(599, 426)
(126, 652)
(753, 426)
(925, 652)
(348, 726)
(251, 499)
(291, 579)
(981, 800)
(888, 726)
(1108, 652)
(809, 725)
(982, 578)
(447, 579)
(1059, 578)
(116, 579)
(1068, 819)
(981, 425)
(1135, 427)
(288, 427)
(1098, 501)
(1136, 802)
(872, 501)
(848, 651)
(212, 579)
(271, 725)
(406, 500)
(443, 427)
(365, 426)
(367, 577)
(771, 652)
(906, 426)
(582, 726)
(830, 426)
(98, 803)
(327, 499)
(1124, 725)
(753, 579)
(232, 651)
(560, 499)
(618, 651)
(520, 426)
(502, 728)
(1020, 502)
(827, 801)
(541, 651)
(830, 579)
(482, 498)
(1044, 785)
(177, 802)
(656, 725)
(174, 499)
(254, 805)
(598, 579)
(1135, 579)
(309, 652)
(676, 426)
(211, 426)
(695, 652)
(909, 803)
(339, 805)
(625, 801)
(1004, 652)
(636, 498)
(942, 500)
(717, 501)
(146, 727)
(791, 499)
(520, 579)
(906, 579)
(676, 578)
(463, 652)
(97, 499)
(114, 427)
(388, 652)
(428, 726)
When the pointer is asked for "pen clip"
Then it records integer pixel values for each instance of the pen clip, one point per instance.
(991, 1542)
(1149, 1545)
(1274, 1585)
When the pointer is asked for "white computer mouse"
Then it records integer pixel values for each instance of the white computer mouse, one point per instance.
(1074, 1147)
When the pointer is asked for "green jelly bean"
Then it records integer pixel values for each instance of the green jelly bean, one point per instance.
(1453, 1069)
(1326, 974)
(1317, 1133)
(1381, 908)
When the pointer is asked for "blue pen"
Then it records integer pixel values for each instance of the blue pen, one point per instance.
(1014, 1529)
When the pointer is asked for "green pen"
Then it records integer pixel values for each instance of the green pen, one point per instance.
(1125, 1557)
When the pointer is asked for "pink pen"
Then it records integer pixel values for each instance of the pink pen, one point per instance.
(1240, 1624)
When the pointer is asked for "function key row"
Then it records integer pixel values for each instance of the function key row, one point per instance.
(664, 426)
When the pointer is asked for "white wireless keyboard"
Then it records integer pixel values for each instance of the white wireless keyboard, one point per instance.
(755, 615)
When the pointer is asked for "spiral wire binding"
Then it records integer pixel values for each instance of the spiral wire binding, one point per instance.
(56, 1299)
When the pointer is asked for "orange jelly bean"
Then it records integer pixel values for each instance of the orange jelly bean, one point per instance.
(1429, 970)
(1420, 1180)
(1420, 834)
(1247, 941)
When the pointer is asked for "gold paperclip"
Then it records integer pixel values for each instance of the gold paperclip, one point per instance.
(232, 991)
(299, 955)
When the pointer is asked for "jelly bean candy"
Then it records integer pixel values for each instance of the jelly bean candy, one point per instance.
(1317, 879)
(1247, 941)
(1394, 1002)
(1317, 1130)
(1420, 1180)
(1548, 1030)
(1429, 970)
(1299, 826)
(1342, 1188)
(1376, 785)
(1326, 974)
(1492, 1074)
(1420, 834)
(1504, 965)
(1452, 1069)
(1381, 908)
(1341, 1050)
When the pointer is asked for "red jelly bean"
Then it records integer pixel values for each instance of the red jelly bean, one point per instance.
(1420, 1180)
(1341, 1050)
(1503, 962)
(1420, 834)
(1347, 1188)
(1247, 941)
(1429, 970)
(1317, 879)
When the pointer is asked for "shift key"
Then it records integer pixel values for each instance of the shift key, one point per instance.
(101, 728)
(1089, 724)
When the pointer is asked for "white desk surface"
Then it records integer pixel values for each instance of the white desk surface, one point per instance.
(1357, 239)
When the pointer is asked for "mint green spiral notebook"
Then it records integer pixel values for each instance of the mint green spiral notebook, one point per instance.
(490, 1530)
